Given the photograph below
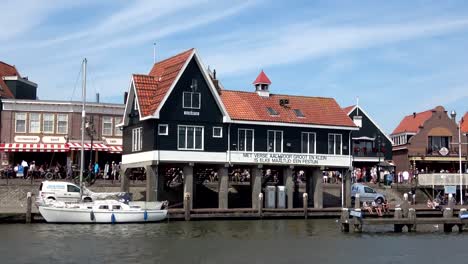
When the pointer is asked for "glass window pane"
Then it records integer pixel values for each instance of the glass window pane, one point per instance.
(187, 100)
(196, 100)
(241, 140)
(181, 134)
(331, 144)
(34, 123)
(190, 137)
(278, 141)
(117, 131)
(198, 138)
(62, 124)
(304, 141)
(249, 136)
(271, 140)
(311, 143)
(338, 144)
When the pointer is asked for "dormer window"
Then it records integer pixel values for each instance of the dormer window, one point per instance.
(272, 111)
(191, 100)
(298, 113)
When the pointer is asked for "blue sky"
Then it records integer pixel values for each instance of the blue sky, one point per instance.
(398, 57)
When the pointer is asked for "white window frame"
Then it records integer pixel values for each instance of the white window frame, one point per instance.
(103, 122)
(44, 120)
(194, 137)
(137, 139)
(167, 129)
(117, 130)
(245, 139)
(25, 122)
(58, 120)
(220, 132)
(39, 122)
(274, 144)
(334, 144)
(308, 140)
(191, 98)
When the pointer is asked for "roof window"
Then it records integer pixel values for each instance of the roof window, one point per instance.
(272, 111)
(298, 113)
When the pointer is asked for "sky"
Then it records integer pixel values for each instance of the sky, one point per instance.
(397, 57)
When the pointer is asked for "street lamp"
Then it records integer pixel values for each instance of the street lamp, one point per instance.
(453, 114)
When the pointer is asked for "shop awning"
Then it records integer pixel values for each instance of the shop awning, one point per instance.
(87, 146)
(24, 147)
(115, 149)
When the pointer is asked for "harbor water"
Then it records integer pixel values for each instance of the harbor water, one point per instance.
(255, 241)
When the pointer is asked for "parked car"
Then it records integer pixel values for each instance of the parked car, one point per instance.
(366, 194)
(61, 191)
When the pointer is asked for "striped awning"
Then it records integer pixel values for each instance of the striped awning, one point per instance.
(115, 149)
(87, 146)
(26, 147)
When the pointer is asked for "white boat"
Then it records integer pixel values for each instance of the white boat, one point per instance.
(104, 211)
(100, 211)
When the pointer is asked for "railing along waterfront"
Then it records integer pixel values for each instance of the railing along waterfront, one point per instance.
(441, 179)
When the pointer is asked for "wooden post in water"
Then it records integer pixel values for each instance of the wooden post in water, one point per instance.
(397, 228)
(412, 218)
(448, 213)
(187, 206)
(28, 207)
(345, 220)
(357, 201)
(405, 205)
(305, 200)
(260, 205)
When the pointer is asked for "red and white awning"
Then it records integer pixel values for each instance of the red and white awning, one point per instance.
(25, 147)
(115, 149)
(87, 146)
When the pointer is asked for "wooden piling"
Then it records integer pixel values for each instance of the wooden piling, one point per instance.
(344, 220)
(412, 218)
(187, 206)
(28, 207)
(260, 205)
(305, 200)
(357, 201)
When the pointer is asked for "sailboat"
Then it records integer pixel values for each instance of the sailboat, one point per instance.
(99, 211)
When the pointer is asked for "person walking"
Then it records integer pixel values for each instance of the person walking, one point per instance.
(106, 171)
(96, 169)
(25, 166)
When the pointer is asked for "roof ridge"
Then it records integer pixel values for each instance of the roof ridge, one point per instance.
(11, 65)
(290, 95)
(166, 59)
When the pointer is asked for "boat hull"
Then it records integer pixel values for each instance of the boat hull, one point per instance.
(67, 215)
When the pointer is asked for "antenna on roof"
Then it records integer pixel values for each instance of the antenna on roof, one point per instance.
(357, 105)
(154, 52)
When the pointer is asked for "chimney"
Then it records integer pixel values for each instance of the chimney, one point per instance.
(125, 97)
(216, 82)
(453, 115)
(97, 98)
(414, 114)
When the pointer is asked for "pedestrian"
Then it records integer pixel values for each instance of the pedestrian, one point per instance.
(106, 170)
(114, 170)
(25, 166)
(96, 169)
(32, 169)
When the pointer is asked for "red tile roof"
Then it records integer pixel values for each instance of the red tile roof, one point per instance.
(6, 70)
(464, 123)
(152, 88)
(411, 123)
(262, 79)
(348, 108)
(249, 106)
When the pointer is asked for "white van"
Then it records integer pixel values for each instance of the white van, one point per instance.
(61, 191)
(366, 193)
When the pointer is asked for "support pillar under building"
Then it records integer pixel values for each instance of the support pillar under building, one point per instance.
(318, 187)
(289, 184)
(124, 179)
(223, 188)
(347, 188)
(256, 185)
(188, 183)
(151, 183)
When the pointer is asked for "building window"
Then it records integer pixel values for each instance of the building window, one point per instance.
(245, 140)
(217, 132)
(435, 143)
(334, 144)
(308, 142)
(163, 130)
(190, 138)
(62, 123)
(135, 104)
(48, 123)
(107, 126)
(298, 113)
(20, 122)
(34, 123)
(275, 141)
(137, 140)
(117, 130)
(272, 112)
(191, 100)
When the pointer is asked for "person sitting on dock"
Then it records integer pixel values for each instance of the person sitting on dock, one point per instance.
(366, 206)
(385, 206)
(378, 208)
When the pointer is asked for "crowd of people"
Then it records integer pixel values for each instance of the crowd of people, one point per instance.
(376, 208)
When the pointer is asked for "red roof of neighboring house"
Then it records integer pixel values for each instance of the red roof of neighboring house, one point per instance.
(6, 70)
(152, 88)
(348, 108)
(464, 123)
(411, 123)
(249, 106)
(262, 79)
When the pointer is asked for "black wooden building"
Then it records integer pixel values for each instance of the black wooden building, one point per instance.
(195, 137)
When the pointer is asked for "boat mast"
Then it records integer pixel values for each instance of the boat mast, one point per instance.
(83, 120)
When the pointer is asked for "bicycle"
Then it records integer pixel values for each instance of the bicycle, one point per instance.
(88, 177)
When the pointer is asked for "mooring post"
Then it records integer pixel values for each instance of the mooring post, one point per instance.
(460, 213)
(345, 220)
(412, 218)
(357, 201)
(405, 205)
(397, 228)
(305, 199)
(187, 206)
(448, 213)
(357, 220)
(260, 205)
(28, 207)
(451, 202)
